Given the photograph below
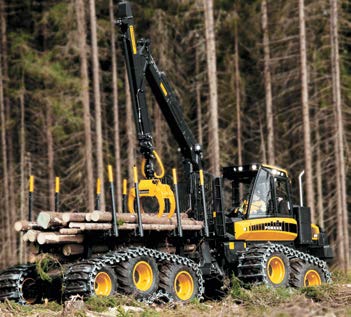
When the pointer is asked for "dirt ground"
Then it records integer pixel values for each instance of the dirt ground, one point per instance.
(328, 300)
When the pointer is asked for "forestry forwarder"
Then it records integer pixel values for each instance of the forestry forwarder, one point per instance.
(174, 241)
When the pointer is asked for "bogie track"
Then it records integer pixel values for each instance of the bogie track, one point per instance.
(79, 278)
(254, 264)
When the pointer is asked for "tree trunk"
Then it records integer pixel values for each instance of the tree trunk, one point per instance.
(268, 84)
(237, 89)
(117, 145)
(82, 35)
(213, 89)
(198, 96)
(6, 241)
(97, 101)
(50, 151)
(130, 131)
(305, 111)
(319, 175)
(342, 220)
(22, 169)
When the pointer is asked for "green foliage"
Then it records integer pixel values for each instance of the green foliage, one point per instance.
(101, 303)
(44, 264)
(325, 292)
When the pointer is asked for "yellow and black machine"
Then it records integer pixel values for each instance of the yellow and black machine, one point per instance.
(191, 233)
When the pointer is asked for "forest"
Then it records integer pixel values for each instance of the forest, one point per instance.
(258, 80)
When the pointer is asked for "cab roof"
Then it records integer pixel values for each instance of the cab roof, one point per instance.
(230, 171)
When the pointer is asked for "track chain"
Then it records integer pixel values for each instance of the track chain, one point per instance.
(11, 281)
(79, 278)
(253, 261)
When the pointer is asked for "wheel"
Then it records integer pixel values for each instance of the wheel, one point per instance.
(305, 274)
(138, 276)
(179, 281)
(30, 290)
(277, 270)
(105, 282)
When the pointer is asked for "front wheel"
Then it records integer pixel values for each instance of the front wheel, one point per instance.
(277, 270)
(305, 274)
(105, 282)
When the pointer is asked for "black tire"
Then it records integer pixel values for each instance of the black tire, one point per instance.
(31, 290)
(170, 277)
(305, 274)
(105, 282)
(130, 280)
(277, 270)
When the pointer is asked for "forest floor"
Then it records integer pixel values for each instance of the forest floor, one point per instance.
(327, 300)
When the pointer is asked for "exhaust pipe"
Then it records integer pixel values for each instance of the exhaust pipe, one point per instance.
(300, 188)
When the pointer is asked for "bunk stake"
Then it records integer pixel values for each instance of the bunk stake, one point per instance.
(98, 194)
(179, 220)
(113, 202)
(30, 197)
(137, 196)
(57, 193)
(202, 185)
(124, 196)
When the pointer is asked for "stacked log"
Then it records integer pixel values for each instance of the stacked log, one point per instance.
(67, 229)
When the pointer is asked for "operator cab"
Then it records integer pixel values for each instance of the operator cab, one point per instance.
(256, 191)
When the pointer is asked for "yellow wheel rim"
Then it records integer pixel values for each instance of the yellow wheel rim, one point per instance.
(312, 278)
(28, 290)
(184, 285)
(103, 284)
(143, 276)
(276, 270)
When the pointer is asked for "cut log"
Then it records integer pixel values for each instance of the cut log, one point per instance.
(56, 238)
(98, 216)
(25, 237)
(73, 216)
(24, 225)
(90, 226)
(72, 249)
(32, 235)
(48, 219)
(70, 231)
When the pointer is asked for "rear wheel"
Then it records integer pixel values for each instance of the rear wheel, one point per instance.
(180, 282)
(305, 274)
(105, 282)
(277, 270)
(138, 276)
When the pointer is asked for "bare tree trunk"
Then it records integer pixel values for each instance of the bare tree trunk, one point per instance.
(22, 168)
(263, 143)
(130, 131)
(117, 142)
(97, 101)
(7, 236)
(319, 175)
(213, 89)
(340, 151)
(82, 35)
(50, 151)
(268, 84)
(198, 96)
(237, 89)
(305, 111)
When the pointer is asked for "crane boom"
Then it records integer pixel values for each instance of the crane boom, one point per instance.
(141, 68)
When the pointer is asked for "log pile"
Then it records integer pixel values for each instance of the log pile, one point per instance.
(68, 228)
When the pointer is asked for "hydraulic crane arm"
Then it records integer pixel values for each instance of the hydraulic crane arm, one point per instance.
(141, 67)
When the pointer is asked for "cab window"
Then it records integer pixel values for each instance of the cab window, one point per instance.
(261, 200)
(282, 196)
